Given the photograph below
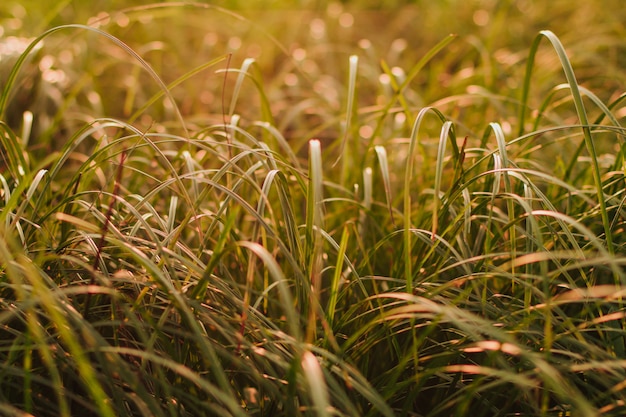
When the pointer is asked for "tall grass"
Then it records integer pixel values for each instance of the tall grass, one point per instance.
(308, 231)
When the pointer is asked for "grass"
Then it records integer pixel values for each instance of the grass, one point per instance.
(218, 212)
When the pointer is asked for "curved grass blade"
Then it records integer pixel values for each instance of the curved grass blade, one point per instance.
(292, 316)
(408, 175)
(317, 384)
(582, 116)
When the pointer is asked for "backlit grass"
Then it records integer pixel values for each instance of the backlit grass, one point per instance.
(232, 211)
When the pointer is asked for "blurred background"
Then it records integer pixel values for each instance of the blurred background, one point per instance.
(300, 52)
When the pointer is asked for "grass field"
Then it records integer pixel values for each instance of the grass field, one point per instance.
(329, 209)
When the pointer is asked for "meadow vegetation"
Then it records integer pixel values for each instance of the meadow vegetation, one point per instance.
(343, 209)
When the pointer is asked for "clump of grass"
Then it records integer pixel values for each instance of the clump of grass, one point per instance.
(227, 243)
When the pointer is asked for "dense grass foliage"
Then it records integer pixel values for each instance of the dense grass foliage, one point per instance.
(322, 212)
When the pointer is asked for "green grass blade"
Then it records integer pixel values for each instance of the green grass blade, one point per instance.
(316, 383)
(349, 153)
(314, 226)
(381, 152)
(441, 153)
(331, 306)
(582, 116)
(292, 316)
(408, 175)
